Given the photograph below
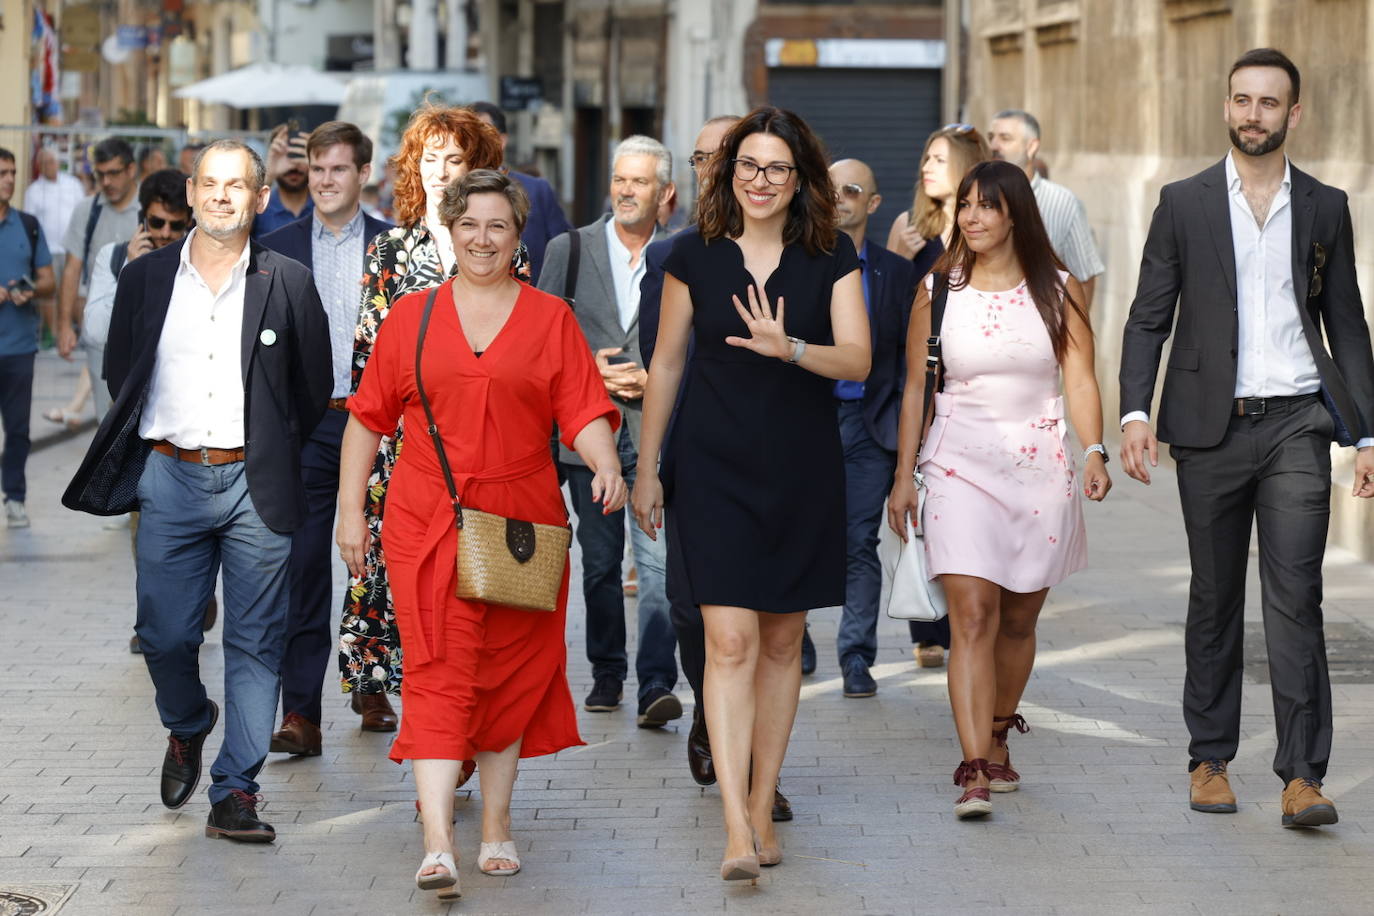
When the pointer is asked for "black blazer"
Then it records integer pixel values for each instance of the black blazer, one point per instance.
(286, 384)
(296, 239)
(1189, 268)
(891, 288)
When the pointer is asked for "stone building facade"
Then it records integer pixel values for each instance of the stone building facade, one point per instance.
(1129, 96)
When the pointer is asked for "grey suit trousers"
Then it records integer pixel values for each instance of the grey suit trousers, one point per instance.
(1272, 470)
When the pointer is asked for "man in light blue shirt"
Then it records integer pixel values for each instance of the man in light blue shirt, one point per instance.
(25, 272)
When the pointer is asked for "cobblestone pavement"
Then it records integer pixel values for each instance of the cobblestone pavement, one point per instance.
(1101, 824)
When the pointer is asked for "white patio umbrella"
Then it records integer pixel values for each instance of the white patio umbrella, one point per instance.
(267, 86)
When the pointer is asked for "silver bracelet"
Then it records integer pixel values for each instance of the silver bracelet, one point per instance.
(798, 350)
(1099, 448)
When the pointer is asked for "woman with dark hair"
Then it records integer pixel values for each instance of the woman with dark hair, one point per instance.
(500, 362)
(922, 233)
(1003, 518)
(769, 290)
(439, 146)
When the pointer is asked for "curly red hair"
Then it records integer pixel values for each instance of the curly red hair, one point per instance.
(479, 141)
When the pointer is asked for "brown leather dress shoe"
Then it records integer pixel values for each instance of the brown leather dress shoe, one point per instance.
(1210, 791)
(782, 808)
(699, 761)
(375, 708)
(1305, 806)
(297, 736)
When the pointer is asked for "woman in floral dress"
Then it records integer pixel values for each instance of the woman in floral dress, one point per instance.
(1003, 518)
(440, 145)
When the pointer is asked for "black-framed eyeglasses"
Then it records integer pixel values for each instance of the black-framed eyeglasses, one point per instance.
(157, 222)
(104, 174)
(697, 160)
(850, 190)
(774, 173)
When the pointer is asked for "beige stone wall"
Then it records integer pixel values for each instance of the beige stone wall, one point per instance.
(1129, 97)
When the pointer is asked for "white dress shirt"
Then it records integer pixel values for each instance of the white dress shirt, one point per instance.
(52, 202)
(624, 276)
(196, 397)
(1273, 358)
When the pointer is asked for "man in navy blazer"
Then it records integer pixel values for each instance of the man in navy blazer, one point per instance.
(331, 240)
(546, 220)
(218, 363)
(868, 413)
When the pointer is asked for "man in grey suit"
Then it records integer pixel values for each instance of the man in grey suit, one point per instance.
(1256, 259)
(607, 271)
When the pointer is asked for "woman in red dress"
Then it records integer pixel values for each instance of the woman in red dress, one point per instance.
(502, 363)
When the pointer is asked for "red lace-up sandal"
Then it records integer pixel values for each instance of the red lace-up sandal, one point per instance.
(976, 801)
(1001, 777)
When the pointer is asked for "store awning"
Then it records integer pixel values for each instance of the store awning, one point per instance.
(267, 86)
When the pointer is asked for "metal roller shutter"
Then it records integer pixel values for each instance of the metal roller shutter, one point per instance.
(881, 116)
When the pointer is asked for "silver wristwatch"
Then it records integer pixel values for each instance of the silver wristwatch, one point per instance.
(798, 349)
(1100, 449)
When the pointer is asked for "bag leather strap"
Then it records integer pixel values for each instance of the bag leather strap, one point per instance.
(429, 414)
(934, 365)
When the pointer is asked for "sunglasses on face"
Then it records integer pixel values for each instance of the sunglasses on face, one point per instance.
(851, 190)
(157, 222)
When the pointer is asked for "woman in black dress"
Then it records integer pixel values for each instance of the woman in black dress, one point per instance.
(769, 290)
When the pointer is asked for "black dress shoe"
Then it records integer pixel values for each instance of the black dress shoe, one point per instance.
(857, 681)
(236, 818)
(808, 652)
(699, 760)
(658, 708)
(782, 808)
(605, 695)
(181, 764)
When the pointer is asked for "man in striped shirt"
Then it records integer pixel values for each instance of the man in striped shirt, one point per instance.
(1015, 137)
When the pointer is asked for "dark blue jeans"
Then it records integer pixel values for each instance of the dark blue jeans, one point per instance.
(311, 637)
(192, 519)
(16, 400)
(868, 469)
(602, 539)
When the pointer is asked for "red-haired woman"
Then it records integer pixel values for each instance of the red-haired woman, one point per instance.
(1003, 517)
(440, 145)
(770, 290)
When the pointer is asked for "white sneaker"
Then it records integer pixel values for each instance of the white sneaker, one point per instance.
(15, 516)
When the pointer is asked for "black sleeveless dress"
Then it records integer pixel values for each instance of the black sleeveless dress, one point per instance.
(757, 483)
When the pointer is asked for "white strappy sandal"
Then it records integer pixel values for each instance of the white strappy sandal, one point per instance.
(445, 884)
(497, 851)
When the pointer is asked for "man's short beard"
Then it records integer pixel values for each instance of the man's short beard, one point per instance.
(293, 181)
(245, 220)
(1262, 148)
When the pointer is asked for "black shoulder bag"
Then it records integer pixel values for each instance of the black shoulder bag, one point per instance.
(500, 560)
(934, 367)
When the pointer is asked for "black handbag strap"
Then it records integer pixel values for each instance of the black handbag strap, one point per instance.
(574, 263)
(429, 413)
(91, 220)
(939, 293)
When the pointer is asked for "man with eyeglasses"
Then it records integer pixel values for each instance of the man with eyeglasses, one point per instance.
(110, 216)
(868, 413)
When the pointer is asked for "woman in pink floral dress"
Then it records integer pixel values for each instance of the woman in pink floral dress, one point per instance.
(1003, 517)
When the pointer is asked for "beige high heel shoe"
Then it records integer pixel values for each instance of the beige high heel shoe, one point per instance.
(768, 855)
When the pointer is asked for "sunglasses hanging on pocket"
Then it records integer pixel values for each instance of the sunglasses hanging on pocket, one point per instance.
(1314, 285)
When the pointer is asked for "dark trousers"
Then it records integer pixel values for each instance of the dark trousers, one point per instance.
(686, 616)
(602, 539)
(193, 518)
(868, 471)
(16, 401)
(310, 637)
(1272, 470)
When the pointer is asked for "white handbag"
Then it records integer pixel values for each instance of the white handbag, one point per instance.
(908, 592)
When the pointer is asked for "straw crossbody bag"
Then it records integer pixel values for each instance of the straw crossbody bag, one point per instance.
(913, 596)
(500, 560)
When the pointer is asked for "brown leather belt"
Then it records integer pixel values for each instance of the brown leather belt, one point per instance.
(338, 404)
(1249, 407)
(205, 456)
